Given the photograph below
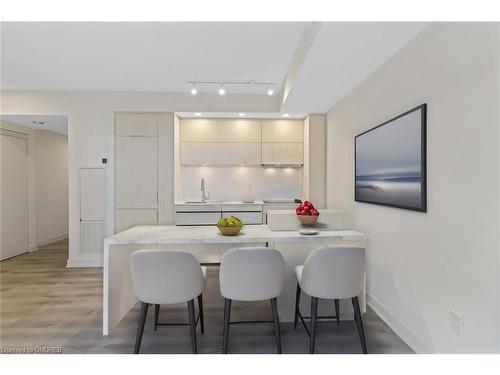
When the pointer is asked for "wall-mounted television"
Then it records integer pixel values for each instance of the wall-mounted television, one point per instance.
(390, 162)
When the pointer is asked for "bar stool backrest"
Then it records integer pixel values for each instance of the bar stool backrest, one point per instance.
(251, 274)
(334, 272)
(166, 276)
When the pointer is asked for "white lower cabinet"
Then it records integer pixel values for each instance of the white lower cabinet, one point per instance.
(209, 214)
(197, 218)
(126, 219)
(246, 217)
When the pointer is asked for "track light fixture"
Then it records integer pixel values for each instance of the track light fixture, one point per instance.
(269, 87)
(194, 91)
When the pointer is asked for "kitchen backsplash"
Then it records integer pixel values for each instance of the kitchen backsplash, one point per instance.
(241, 183)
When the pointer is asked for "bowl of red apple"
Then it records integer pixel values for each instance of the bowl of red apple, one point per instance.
(307, 214)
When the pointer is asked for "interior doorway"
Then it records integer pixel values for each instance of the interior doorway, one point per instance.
(14, 194)
(33, 182)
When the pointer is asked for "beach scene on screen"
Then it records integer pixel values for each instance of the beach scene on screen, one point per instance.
(388, 163)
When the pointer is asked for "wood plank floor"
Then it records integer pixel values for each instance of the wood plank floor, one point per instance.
(43, 303)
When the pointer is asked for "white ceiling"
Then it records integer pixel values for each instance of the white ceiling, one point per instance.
(342, 56)
(163, 57)
(57, 124)
(145, 56)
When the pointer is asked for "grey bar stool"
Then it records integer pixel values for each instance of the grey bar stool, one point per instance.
(331, 273)
(167, 277)
(251, 274)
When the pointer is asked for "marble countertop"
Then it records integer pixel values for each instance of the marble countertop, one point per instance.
(171, 234)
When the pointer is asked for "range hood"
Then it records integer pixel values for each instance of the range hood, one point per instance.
(282, 165)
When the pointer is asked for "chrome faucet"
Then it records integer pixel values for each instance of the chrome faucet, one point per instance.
(204, 194)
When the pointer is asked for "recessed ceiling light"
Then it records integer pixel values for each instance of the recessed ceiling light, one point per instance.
(194, 91)
(241, 114)
(222, 90)
(242, 164)
(38, 122)
(197, 114)
(286, 115)
(270, 91)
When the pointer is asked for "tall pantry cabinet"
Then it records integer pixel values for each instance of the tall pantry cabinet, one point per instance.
(143, 148)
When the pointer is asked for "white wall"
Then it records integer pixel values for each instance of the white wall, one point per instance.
(90, 130)
(314, 174)
(51, 160)
(423, 265)
(240, 183)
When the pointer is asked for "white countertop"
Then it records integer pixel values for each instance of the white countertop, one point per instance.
(171, 234)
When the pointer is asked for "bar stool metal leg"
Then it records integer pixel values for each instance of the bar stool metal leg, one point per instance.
(227, 316)
(276, 319)
(314, 314)
(157, 314)
(200, 308)
(140, 327)
(297, 306)
(359, 323)
(192, 321)
(337, 311)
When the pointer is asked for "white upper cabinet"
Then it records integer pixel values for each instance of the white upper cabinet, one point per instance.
(199, 130)
(193, 153)
(241, 141)
(136, 172)
(237, 130)
(220, 130)
(283, 131)
(136, 125)
(220, 142)
(282, 153)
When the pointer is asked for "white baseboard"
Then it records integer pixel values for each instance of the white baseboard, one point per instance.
(33, 247)
(77, 262)
(53, 239)
(395, 325)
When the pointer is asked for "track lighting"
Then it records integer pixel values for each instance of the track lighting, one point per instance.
(194, 91)
(222, 90)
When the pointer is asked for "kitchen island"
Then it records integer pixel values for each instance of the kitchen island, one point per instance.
(208, 245)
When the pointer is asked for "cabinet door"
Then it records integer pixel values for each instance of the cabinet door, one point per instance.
(126, 219)
(282, 153)
(136, 124)
(136, 172)
(240, 153)
(190, 153)
(197, 218)
(282, 131)
(200, 130)
(92, 194)
(240, 130)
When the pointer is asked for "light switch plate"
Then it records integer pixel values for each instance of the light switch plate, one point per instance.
(457, 323)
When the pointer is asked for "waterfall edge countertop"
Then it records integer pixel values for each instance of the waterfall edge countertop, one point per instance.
(203, 242)
(171, 234)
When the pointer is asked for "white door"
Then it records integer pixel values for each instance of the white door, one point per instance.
(14, 194)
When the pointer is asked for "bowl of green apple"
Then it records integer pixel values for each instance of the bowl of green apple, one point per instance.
(229, 226)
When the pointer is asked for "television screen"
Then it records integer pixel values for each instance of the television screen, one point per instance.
(390, 162)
